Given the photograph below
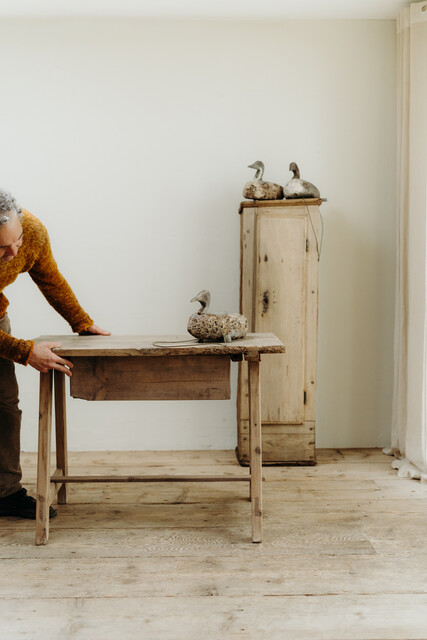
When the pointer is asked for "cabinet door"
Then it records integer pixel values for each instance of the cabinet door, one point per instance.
(280, 307)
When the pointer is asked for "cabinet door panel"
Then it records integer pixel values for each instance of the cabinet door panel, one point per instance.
(247, 260)
(280, 307)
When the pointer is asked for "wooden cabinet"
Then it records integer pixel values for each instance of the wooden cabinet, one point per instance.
(279, 294)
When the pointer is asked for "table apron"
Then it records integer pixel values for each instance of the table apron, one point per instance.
(156, 378)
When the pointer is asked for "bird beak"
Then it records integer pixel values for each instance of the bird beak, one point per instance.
(252, 166)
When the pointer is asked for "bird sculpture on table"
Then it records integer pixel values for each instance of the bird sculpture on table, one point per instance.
(297, 188)
(210, 327)
(258, 189)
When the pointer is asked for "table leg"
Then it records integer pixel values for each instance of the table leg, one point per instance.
(255, 451)
(43, 459)
(61, 432)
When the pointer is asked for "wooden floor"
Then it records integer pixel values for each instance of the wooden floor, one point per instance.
(344, 554)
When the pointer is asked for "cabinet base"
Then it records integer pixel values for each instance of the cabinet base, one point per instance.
(282, 444)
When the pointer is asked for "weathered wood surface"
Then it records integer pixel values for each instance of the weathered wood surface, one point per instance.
(311, 318)
(331, 617)
(285, 442)
(338, 467)
(43, 472)
(219, 576)
(287, 202)
(57, 478)
(200, 542)
(191, 515)
(167, 378)
(61, 431)
(279, 293)
(114, 368)
(140, 345)
(218, 493)
(279, 300)
(343, 557)
(324, 617)
(255, 448)
(332, 457)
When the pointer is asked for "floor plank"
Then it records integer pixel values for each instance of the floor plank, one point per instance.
(211, 576)
(336, 617)
(381, 513)
(343, 557)
(287, 539)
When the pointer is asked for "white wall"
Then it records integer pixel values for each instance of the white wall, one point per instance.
(130, 139)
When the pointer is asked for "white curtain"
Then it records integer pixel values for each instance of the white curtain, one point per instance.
(409, 425)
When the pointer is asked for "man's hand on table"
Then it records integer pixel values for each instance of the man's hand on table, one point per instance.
(43, 358)
(95, 330)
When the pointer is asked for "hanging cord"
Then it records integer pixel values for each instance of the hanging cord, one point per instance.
(318, 244)
(174, 343)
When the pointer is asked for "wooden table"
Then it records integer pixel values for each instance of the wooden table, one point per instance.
(137, 368)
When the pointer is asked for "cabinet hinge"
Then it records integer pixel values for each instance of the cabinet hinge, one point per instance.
(306, 244)
(305, 397)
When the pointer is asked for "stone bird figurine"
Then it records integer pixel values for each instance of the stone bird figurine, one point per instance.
(258, 189)
(209, 327)
(297, 188)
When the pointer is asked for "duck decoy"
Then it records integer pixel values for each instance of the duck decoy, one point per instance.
(297, 188)
(210, 327)
(258, 189)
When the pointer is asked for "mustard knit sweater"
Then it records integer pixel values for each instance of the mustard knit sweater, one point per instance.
(35, 256)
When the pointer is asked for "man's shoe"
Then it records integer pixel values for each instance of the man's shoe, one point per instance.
(21, 506)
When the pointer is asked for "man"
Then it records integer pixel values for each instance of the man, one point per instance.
(25, 247)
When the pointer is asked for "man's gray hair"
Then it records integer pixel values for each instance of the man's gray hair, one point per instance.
(9, 208)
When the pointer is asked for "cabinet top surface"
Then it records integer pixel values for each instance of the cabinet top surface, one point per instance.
(160, 345)
(294, 202)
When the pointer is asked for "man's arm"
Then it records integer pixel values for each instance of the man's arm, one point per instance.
(57, 291)
(15, 349)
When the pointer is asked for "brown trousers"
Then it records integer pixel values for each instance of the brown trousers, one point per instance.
(10, 424)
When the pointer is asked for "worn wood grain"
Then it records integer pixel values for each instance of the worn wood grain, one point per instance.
(279, 293)
(123, 368)
(291, 202)
(373, 516)
(328, 459)
(141, 345)
(271, 473)
(280, 307)
(343, 556)
(167, 378)
(287, 443)
(311, 317)
(255, 448)
(43, 475)
(208, 576)
(325, 617)
(290, 539)
(61, 431)
(58, 479)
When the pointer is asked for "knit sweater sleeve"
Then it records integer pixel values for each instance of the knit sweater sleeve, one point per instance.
(15, 349)
(57, 291)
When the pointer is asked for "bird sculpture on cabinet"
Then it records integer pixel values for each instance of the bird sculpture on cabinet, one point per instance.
(258, 189)
(210, 327)
(297, 188)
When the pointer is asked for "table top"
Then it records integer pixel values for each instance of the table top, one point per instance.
(141, 345)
